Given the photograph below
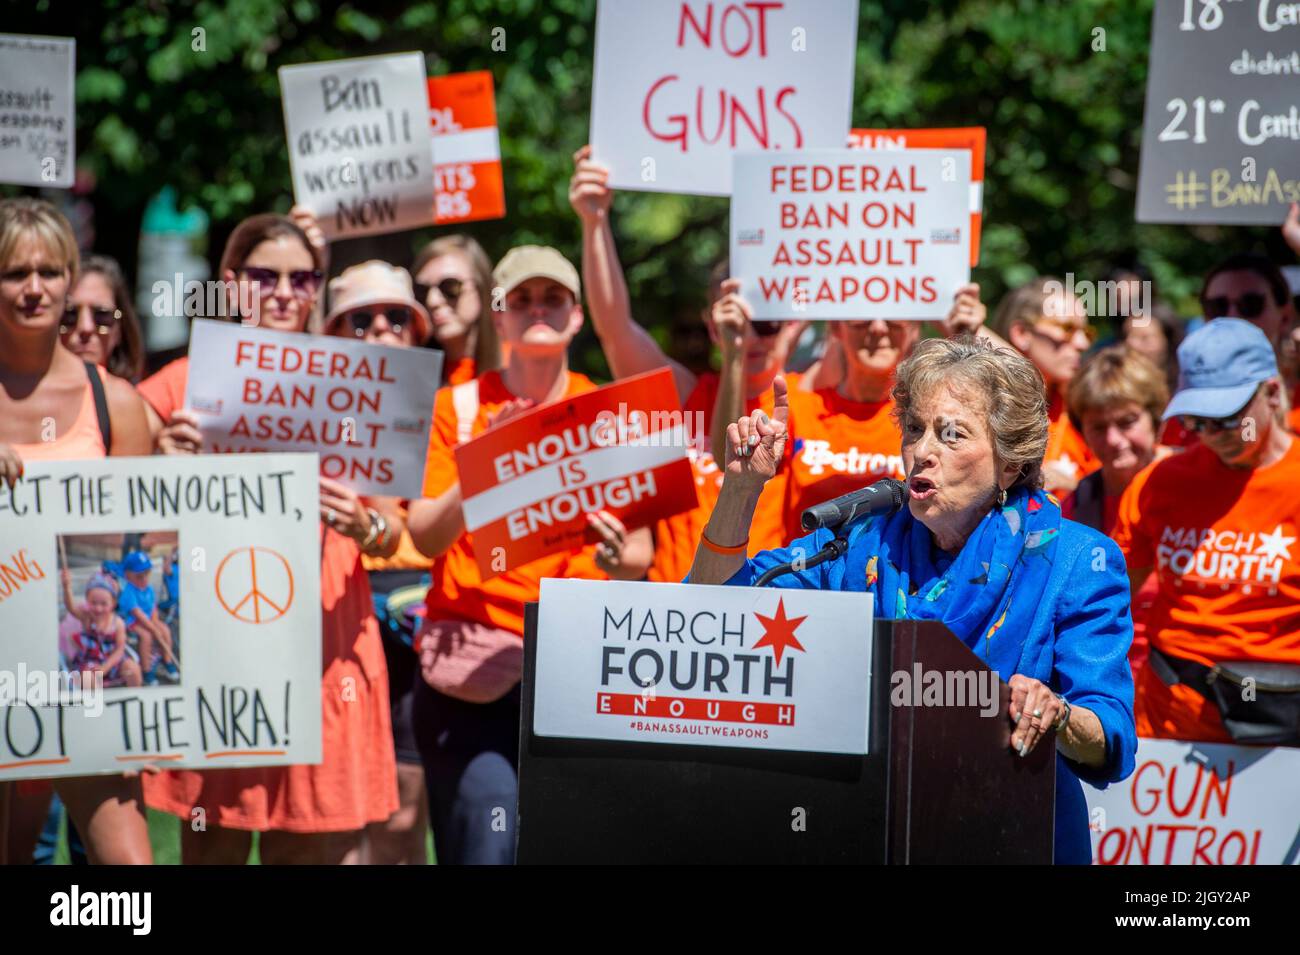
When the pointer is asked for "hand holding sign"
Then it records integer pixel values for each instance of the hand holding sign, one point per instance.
(11, 465)
(589, 191)
(181, 435)
(756, 443)
(967, 314)
(343, 510)
(730, 315)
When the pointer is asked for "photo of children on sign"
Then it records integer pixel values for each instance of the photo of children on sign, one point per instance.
(119, 608)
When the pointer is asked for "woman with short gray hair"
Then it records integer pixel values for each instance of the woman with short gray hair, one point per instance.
(980, 547)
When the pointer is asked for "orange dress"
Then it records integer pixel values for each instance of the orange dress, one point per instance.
(356, 780)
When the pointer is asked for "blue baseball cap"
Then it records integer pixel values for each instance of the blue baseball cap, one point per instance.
(1221, 364)
(137, 561)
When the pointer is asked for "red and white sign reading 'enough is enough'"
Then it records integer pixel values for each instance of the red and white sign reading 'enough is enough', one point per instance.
(528, 484)
(851, 234)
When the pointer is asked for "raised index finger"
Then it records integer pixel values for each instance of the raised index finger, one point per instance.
(780, 400)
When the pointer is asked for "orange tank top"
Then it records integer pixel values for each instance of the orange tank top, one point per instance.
(83, 440)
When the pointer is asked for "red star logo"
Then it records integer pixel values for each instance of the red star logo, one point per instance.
(778, 631)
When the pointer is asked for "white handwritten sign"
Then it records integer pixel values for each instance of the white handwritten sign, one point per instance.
(359, 143)
(37, 110)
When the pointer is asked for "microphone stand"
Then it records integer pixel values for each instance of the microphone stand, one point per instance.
(832, 550)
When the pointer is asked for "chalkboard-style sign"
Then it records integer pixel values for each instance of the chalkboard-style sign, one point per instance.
(1221, 137)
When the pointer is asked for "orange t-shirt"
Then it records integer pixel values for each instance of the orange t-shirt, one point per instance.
(1223, 543)
(459, 371)
(458, 592)
(841, 446)
(1065, 444)
(165, 388)
(678, 537)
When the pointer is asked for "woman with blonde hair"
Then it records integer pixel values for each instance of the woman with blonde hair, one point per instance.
(56, 407)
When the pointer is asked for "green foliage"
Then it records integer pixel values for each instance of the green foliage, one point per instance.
(1064, 125)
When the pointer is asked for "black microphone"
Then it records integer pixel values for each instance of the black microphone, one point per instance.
(880, 498)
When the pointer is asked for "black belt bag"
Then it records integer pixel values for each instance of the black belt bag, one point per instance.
(1259, 702)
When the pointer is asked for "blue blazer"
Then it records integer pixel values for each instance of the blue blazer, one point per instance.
(1077, 644)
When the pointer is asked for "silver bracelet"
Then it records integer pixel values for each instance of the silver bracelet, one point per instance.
(375, 529)
(1064, 720)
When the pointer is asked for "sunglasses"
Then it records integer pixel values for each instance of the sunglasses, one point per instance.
(1250, 305)
(303, 282)
(450, 289)
(1197, 424)
(1065, 328)
(104, 318)
(398, 317)
(766, 329)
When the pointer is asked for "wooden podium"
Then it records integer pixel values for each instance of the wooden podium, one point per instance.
(939, 785)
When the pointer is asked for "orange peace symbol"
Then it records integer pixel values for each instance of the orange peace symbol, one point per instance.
(247, 598)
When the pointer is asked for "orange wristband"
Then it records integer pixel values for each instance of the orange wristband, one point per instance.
(719, 549)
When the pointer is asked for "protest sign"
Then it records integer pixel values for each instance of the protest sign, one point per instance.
(467, 169)
(851, 234)
(679, 87)
(1200, 804)
(972, 138)
(366, 408)
(1222, 127)
(528, 483)
(226, 615)
(359, 147)
(38, 122)
(704, 666)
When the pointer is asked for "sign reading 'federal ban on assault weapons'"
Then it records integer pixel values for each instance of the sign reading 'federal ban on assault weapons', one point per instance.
(360, 147)
(703, 665)
(528, 484)
(227, 617)
(1200, 804)
(365, 408)
(678, 87)
(851, 234)
(1221, 133)
(37, 110)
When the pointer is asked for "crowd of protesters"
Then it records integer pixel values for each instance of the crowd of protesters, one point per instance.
(1180, 446)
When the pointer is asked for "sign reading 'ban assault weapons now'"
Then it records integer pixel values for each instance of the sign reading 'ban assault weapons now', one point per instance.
(527, 484)
(227, 617)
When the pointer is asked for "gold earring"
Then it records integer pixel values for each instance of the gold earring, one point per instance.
(1002, 497)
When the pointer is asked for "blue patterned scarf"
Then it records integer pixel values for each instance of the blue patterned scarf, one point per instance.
(1009, 553)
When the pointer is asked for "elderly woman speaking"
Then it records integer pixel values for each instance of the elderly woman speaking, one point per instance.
(979, 546)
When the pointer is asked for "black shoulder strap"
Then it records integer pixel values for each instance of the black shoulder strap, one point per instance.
(101, 406)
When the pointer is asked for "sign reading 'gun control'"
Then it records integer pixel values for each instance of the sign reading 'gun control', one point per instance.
(359, 143)
(703, 666)
(37, 110)
(366, 409)
(851, 234)
(1221, 135)
(528, 484)
(679, 87)
(161, 611)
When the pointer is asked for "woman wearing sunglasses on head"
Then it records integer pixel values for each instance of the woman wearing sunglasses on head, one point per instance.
(1050, 328)
(305, 814)
(94, 415)
(374, 302)
(99, 324)
(453, 280)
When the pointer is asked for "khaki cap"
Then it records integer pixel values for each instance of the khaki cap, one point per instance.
(525, 262)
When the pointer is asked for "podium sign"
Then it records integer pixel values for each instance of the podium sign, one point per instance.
(697, 665)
